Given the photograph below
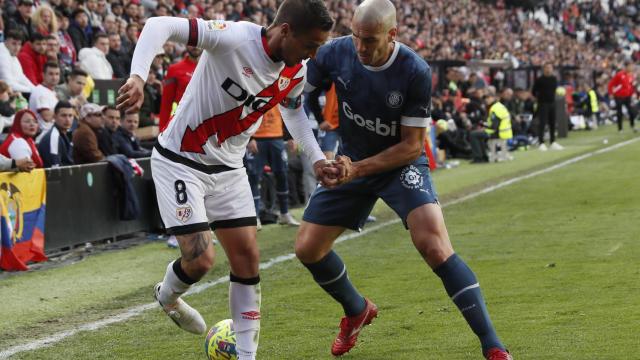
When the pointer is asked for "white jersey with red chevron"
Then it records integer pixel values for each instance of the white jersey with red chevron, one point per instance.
(234, 84)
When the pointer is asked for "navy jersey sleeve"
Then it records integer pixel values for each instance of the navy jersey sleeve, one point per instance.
(318, 67)
(417, 110)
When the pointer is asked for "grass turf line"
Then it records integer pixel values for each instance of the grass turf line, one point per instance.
(155, 249)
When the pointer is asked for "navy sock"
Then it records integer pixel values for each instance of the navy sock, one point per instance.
(463, 288)
(331, 274)
(282, 191)
(283, 202)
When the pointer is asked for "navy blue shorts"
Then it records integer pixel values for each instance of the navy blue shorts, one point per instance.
(349, 205)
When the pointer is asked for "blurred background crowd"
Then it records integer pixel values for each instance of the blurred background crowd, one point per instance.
(61, 62)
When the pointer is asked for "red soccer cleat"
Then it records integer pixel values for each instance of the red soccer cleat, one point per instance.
(498, 354)
(350, 329)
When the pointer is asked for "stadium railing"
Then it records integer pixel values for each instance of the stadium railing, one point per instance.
(83, 206)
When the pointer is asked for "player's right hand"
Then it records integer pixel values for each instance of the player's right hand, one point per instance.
(131, 95)
(326, 173)
(324, 126)
(25, 164)
(252, 146)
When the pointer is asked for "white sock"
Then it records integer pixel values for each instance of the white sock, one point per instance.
(172, 287)
(244, 301)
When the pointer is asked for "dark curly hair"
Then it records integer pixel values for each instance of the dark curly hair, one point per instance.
(304, 15)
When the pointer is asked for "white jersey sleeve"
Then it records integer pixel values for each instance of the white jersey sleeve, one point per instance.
(299, 127)
(297, 122)
(218, 35)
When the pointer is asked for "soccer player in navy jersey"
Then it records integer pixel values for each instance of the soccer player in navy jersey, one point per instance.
(384, 96)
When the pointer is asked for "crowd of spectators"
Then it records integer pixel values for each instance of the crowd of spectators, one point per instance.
(52, 52)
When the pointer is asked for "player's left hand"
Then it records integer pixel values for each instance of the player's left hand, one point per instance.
(131, 95)
(326, 173)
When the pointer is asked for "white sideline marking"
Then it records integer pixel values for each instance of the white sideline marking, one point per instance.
(614, 249)
(138, 310)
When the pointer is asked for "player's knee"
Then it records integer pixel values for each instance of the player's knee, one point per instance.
(249, 256)
(436, 256)
(245, 264)
(201, 265)
(304, 251)
(434, 248)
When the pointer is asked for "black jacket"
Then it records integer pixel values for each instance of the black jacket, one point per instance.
(127, 197)
(120, 62)
(544, 89)
(128, 145)
(106, 142)
(16, 22)
(78, 37)
(55, 148)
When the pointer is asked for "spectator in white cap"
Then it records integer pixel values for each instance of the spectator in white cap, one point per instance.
(85, 137)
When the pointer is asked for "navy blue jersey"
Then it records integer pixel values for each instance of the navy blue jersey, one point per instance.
(373, 101)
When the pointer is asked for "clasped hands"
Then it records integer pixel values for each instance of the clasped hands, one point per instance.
(332, 173)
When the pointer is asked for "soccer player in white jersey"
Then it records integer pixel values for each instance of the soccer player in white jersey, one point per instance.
(201, 184)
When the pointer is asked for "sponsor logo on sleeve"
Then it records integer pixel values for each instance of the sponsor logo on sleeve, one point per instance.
(213, 25)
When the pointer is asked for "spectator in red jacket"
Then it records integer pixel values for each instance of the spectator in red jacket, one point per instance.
(32, 58)
(175, 83)
(621, 87)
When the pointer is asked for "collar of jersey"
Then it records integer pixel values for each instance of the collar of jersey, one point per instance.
(392, 58)
(265, 46)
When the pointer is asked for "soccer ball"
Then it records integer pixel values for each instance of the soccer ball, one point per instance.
(220, 343)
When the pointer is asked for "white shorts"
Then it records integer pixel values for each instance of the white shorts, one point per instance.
(192, 200)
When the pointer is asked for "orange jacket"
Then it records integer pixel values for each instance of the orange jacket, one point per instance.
(330, 112)
(271, 126)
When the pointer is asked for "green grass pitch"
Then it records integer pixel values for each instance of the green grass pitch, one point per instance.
(557, 258)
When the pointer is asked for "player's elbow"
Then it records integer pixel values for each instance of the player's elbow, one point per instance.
(414, 150)
(152, 22)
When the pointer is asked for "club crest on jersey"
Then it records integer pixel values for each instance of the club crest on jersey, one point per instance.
(394, 99)
(213, 25)
(184, 213)
(247, 71)
(283, 82)
(411, 178)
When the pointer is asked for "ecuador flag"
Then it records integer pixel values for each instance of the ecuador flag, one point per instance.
(22, 209)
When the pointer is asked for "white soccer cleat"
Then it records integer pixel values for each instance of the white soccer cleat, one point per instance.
(543, 147)
(186, 317)
(172, 242)
(287, 219)
(556, 146)
(258, 224)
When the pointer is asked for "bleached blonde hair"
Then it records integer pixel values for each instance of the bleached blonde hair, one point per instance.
(36, 18)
